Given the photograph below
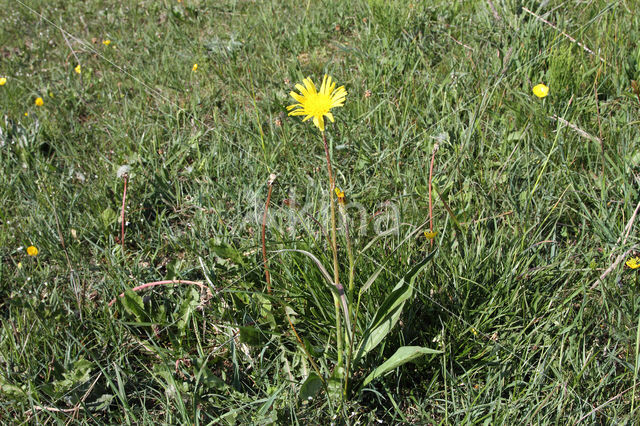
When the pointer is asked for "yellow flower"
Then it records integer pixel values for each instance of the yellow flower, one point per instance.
(106, 42)
(39, 101)
(32, 251)
(194, 68)
(3, 81)
(430, 235)
(633, 263)
(312, 103)
(340, 194)
(26, 114)
(78, 69)
(541, 90)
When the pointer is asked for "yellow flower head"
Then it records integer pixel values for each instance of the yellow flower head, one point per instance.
(39, 101)
(194, 68)
(340, 195)
(78, 69)
(541, 90)
(3, 81)
(633, 263)
(32, 251)
(317, 104)
(430, 235)
(106, 42)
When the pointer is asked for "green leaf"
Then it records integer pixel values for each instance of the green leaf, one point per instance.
(252, 336)
(225, 251)
(134, 305)
(108, 216)
(10, 391)
(402, 356)
(80, 373)
(389, 312)
(310, 387)
(102, 403)
(187, 307)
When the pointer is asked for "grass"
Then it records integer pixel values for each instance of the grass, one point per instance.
(531, 200)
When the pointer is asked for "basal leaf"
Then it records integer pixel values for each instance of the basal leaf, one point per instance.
(402, 356)
(389, 312)
(310, 387)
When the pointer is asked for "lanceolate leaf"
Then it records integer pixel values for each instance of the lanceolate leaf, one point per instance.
(133, 304)
(389, 312)
(402, 356)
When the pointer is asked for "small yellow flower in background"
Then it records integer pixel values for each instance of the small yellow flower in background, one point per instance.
(51, 95)
(340, 195)
(633, 263)
(26, 114)
(19, 265)
(194, 68)
(39, 101)
(3, 81)
(430, 235)
(78, 69)
(106, 42)
(474, 331)
(317, 104)
(541, 90)
(32, 251)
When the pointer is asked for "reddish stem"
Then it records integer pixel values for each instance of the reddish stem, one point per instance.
(156, 283)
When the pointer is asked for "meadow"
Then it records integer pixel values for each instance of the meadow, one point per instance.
(484, 234)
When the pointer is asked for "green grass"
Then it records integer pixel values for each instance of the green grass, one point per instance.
(534, 211)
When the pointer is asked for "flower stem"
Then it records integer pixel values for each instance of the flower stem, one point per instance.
(264, 229)
(343, 213)
(124, 199)
(433, 156)
(334, 247)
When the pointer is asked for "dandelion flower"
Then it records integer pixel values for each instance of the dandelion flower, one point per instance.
(32, 251)
(194, 68)
(106, 42)
(430, 235)
(26, 114)
(317, 104)
(39, 101)
(3, 81)
(340, 194)
(633, 263)
(78, 69)
(123, 170)
(541, 90)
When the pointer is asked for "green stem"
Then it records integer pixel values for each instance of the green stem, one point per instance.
(343, 212)
(334, 247)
